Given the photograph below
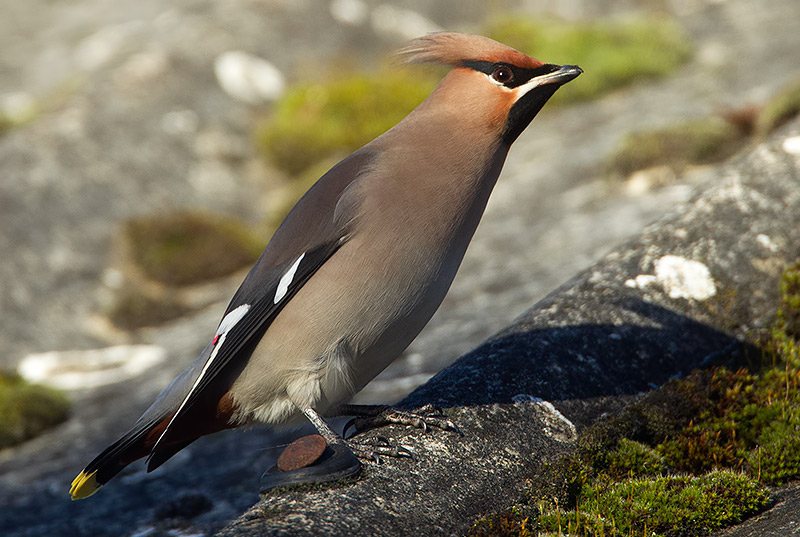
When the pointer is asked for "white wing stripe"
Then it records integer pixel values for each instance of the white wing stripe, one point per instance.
(286, 280)
(228, 322)
(233, 317)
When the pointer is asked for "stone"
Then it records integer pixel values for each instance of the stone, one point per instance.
(248, 78)
(303, 452)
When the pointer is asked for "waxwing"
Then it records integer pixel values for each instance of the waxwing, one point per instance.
(358, 266)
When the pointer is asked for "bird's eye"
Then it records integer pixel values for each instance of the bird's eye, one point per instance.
(502, 74)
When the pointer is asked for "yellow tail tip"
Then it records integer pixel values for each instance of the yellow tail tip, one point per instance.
(84, 486)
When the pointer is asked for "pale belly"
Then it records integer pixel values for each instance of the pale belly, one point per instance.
(319, 352)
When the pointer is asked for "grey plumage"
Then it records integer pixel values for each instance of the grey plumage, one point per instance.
(359, 265)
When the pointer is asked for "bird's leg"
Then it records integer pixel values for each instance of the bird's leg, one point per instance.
(371, 416)
(336, 462)
(365, 450)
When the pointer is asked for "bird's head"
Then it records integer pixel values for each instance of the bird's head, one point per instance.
(491, 83)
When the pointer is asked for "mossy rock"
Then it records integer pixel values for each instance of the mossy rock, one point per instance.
(779, 109)
(26, 410)
(190, 247)
(612, 53)
(664, 505)
(134, 307)
(688, 458)
(316, 121)
(517, 521)
(5, 124)
(701, 141)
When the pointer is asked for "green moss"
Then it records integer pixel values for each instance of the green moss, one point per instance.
(750, 420)
(316, 121)
(686, 459)
(514, 522)
(669, 505)
(26, 410)
(612, 53)
(5, 124)
(701, 141)
(188, 248)
(133, 308)
(779, 109)
(634, 459)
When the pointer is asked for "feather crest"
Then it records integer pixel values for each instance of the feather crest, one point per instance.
(453, 49)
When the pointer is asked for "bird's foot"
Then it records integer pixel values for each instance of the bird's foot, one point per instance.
(371, 416)
(376, 447)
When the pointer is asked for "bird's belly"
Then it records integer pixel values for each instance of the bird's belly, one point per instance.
(319, 352)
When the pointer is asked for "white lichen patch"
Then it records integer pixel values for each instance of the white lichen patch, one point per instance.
(766, 242)
(248, 78)
(556, 425)
(641, 281)
(685, 278)
(679, 277)
(76, 370)
(792, 145)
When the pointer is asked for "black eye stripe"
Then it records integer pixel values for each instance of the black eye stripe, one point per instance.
(521, 75)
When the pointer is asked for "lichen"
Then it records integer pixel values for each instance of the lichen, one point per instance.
(26, 410)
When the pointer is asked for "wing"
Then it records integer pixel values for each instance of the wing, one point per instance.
(312, 232)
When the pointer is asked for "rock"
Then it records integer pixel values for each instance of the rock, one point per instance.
(391, 21)
(17, 107)
(96, 50)
(351, 12)
(86, 369)
(248, 78)
(303, 452)
(581, 351)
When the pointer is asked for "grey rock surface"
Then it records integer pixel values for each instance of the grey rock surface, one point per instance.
(607, 334)
(132, 121)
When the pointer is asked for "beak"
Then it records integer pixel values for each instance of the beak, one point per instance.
(558, 75)
(561, 75)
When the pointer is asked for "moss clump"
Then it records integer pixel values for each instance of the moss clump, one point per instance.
(664, 505)
(751, 420)
(26, 410)
(779, 109)
(134, 308)
(5, 124)
(514, 522)
(701, 141)
(612, 53)
(315, 121)
(188, 248)
(634, 459)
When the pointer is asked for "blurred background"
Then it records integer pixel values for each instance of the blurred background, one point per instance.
(148, 149)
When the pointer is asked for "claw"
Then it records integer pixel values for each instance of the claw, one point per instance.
(350, 423)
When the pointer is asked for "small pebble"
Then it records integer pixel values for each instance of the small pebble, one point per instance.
(303, 452)
(792, 145)
(248, 78)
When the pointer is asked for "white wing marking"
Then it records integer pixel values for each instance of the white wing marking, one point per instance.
(286, 280)
(233, 317)
(228, 322)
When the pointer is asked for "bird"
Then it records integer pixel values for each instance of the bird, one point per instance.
(357, 267)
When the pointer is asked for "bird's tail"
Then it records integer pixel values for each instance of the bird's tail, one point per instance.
(134, 445)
